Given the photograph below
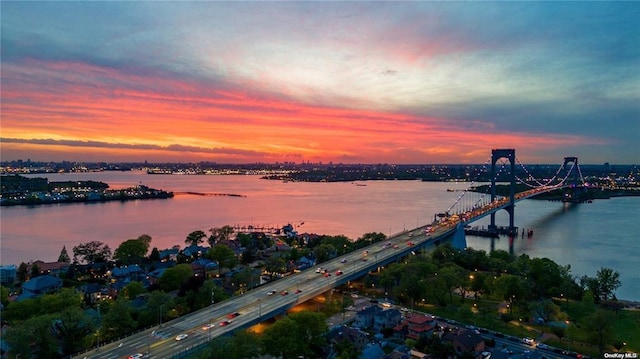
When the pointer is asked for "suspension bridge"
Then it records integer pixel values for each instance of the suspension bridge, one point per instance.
(180, 337)
(472, 205)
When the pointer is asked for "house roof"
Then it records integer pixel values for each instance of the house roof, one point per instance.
(46, 267)
(465, 337)
(42, 282)
(126, 270)
(419, 319)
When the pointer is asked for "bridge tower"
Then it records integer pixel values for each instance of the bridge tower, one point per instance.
(509, 154)
(573, 193)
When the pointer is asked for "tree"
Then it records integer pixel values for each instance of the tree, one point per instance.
(298, 334)
(155, 255)
(195, 238)
(274, 265)
(131, 251)
(243, 345)
(599, 325)
(118, 320)
(324, 252)
(371, 237)
(282, 340)
(220, 234)
(146, 239)
(72, 329)
(64, 256)
(33, 338)
(172, 278)
(133, 289)
(91, 252)
(224, 255)
(608, 282)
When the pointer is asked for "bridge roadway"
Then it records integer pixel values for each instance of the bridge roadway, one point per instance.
(256, 305)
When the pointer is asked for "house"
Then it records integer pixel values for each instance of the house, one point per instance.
(415, 326)
(305, 262)
(131, 272)
(365, 317)
(40, 285)
(386, 319)
(8, 274)
(53, 268)
(355, 336)
(169, 254)
(202, 266)
(195, 251)
(92, 292)
(466, 341)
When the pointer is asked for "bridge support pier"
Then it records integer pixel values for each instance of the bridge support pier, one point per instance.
(509, 154)
(459, 241)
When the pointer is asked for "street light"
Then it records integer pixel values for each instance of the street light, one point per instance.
(211, 296)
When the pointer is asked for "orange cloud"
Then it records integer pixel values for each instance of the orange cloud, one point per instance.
(109, 115)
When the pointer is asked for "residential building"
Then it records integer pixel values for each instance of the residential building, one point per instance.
(40, 285)
(465, 340)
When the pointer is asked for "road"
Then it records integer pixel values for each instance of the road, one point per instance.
(257, 305)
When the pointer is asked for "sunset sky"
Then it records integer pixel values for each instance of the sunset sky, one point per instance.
(350, 82)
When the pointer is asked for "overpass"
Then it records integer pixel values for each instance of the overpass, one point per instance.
(275, 298)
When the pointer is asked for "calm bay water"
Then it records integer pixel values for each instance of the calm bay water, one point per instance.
(586, 236)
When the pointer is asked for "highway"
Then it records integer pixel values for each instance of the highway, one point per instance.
(257, 305)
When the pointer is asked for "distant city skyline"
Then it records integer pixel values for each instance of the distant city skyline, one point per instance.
(341, 82)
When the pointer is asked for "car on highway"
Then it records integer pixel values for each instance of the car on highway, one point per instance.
(233, 315)
(528, 340)
(135, 356)
(208, 326)
(225, 322)
(339, 272)
(542, 346)
(409, 243)
(364, 259)
(343, 261)
(327, 274)
(271, 292)
(284, 292)
(298, 291)
(181, 336)
(320, 270)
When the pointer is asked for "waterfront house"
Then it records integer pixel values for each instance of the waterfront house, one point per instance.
(40, 285)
